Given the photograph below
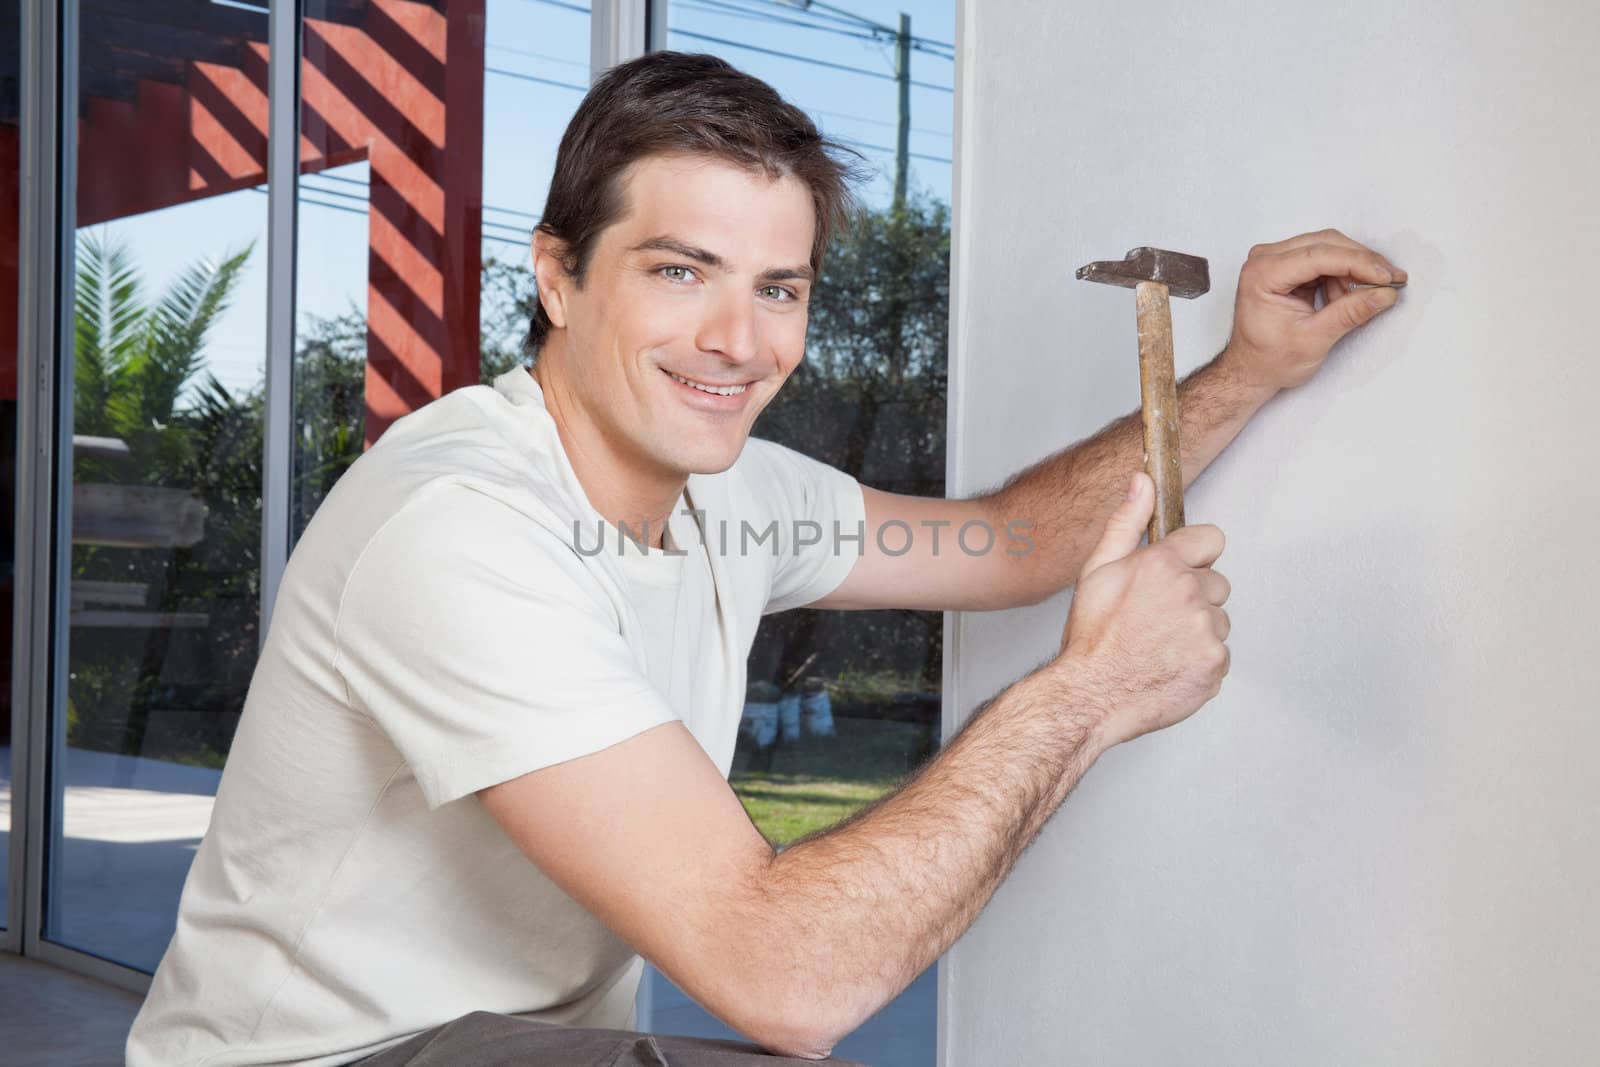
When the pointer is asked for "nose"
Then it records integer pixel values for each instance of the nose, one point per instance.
(729, 327)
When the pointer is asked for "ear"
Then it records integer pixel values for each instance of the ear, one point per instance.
(551, 276)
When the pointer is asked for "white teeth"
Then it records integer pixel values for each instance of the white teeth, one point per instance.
(719, 390)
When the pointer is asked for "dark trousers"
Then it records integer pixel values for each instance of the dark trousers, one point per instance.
(483, 1039)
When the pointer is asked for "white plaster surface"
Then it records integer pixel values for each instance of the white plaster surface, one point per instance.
(1379, 844)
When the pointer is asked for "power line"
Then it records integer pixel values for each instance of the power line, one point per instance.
(875, 30)
(804, 59)
(584, 66)
(846, 18)
(567, 7)
(885, 148)
(358, 183)
(520, 241)
(361, 199)
(723, 9)
(714, 7)
(535, 78)
(815, 111)
(877, 122)
(512, 211)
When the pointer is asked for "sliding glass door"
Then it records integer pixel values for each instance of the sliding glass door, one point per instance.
(10, 227)
(162, 508)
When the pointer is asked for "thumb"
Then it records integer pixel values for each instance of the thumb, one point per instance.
(1354, 309)
(1126, 525)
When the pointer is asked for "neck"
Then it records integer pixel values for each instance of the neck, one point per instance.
(622, 486)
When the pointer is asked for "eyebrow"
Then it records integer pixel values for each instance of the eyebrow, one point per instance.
(711, 259)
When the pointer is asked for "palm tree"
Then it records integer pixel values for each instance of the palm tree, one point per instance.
(136, 362)
(133, 359)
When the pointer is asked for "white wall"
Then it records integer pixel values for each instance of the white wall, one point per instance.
(1379, 845)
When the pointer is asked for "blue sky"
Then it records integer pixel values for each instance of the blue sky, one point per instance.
(523, 121)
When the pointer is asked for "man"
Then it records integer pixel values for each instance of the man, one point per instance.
(483, 762)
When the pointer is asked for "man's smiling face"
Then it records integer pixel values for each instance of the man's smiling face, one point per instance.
(692, 311)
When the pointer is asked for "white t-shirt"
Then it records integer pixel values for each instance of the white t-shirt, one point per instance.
(457, 615)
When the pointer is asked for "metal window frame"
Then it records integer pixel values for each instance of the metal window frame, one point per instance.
(45, 387)
(35, 401)
(962, 192)
(283, 178)
(619, 30)
(47, 173)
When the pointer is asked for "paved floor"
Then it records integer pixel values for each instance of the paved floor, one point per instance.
(131, 828)
(52, 1018)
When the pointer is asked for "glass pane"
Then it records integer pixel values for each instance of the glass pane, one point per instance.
(10, 104)
(416, 207)
(842, 705)
(169, 295)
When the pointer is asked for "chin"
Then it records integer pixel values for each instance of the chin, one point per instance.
(708, 457)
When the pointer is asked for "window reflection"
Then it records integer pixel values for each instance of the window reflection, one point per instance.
(10, 109)
(841, 706)
(168, 300)
(417, 206)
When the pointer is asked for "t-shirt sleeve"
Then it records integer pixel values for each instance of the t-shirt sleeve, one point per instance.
(820, 516)
(479, 643)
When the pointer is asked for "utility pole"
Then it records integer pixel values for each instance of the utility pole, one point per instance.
(902, 75)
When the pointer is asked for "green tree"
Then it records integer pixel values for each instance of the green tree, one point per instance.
(137, 365)
(134, 358)
(870, 399)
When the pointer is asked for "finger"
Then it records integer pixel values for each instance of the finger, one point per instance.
(1221, 625)
(1126, 525)
(1317, 236)
(1336, 289)
(1196, 546)
(1217, 588)
(1332, 289)
(1330, 236)
(1308, 293)
(1283, 272)
(1351, 310)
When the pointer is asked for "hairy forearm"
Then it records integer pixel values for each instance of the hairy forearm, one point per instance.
(1068, 496)
(858, 911)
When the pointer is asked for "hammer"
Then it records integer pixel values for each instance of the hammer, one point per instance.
(1153, 273)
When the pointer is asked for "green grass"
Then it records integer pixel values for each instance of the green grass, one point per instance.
(820, 780)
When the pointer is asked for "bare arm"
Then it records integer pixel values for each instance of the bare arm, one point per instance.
(1069, 495)
(877, 899)
(1280, 339)
(1058, 505)
(796, 949)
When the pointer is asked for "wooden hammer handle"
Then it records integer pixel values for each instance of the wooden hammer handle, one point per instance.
(1158, 389)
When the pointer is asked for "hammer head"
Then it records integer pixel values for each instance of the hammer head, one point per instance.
(1185, 276)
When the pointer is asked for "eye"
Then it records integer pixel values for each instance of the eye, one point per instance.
(676, 273)
(776, 292)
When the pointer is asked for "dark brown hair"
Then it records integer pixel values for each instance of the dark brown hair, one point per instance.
(676, 102)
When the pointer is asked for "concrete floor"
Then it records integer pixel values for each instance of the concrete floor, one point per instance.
(53, 1018)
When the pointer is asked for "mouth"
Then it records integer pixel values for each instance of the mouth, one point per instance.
(728, 391)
